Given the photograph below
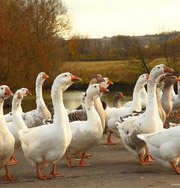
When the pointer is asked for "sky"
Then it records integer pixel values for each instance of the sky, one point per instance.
(99, 18)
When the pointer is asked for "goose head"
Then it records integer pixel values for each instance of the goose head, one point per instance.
(142, 80)
(25, 92)
(66, 79)
(170, 80)
(158, 70)
(5, 92)
(106, 82)
(96, 79)
(18, 97)
(95, 90)
(118, 95)
(42, 76)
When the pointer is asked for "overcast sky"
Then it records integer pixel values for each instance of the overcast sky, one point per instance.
(98, 18)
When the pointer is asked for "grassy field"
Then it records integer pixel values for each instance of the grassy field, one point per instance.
(118, 71)
(123, 73)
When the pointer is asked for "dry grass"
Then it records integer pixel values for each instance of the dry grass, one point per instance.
(117, 71)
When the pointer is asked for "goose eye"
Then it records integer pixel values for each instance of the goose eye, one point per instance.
(158, 67)
(66, 75)
(1, 88)
(95, 86)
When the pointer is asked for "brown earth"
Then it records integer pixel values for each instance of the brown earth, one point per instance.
(111, 166)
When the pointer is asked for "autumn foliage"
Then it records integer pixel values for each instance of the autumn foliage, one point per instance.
(31, 33)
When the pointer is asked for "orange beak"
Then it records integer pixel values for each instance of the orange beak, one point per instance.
(8, 92)
(20, 96)
(28, 92)
(109, 82)
(44, 75)
(75, 78)
(147, 76)
(177, 79)
(102, 89)
(121, 95)
(167, 69)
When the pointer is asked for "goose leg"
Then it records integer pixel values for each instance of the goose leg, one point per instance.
(142, 161)
(109, 142)
(8, 176)
(39, 175)
(12, 160)
(70, 163)
(175, 167)
(54, 173)
(82, 163)
(149, 158)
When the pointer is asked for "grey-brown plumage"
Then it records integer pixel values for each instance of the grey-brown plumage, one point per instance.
(160, 80)
(79, 115)
(96, 79)
(136, 143)
(166, 99)
(116, 98)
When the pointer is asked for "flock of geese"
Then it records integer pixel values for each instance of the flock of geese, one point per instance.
(48, 133)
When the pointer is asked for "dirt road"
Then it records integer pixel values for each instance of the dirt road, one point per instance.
(111, 166)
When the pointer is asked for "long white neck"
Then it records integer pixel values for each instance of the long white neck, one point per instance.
(39, 97)
(17, 115)
(100, 110)
(136, 103)
(151, 107)
(3, 126)
(59, 109)
(61, 120)
(91, 111)
(144, 95)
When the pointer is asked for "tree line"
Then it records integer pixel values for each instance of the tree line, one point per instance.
(143, 48)
(32, 39)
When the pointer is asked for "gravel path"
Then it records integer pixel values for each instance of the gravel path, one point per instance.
(111, 166)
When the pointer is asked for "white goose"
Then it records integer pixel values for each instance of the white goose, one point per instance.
(116, 104)
(147, 122)
(7, 140)
(47, 144)
(35, 117)
(164, 145)
(79, 114)
(8, 117)
(17, 123)
(113, 115)
(86, 134)
(98, 103)
(143, 96)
